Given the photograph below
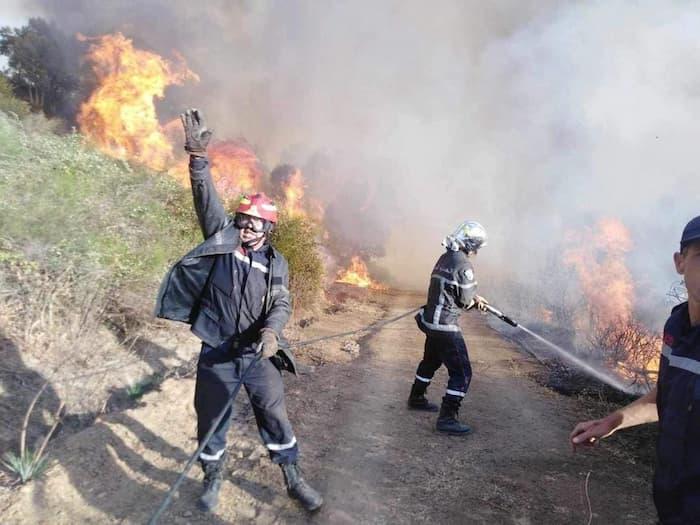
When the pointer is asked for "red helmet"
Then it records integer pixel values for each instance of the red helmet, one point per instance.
(258, 205)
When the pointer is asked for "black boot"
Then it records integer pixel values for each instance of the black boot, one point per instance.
(417, 399)
(447, 419)
(298, 489)
(213, 474)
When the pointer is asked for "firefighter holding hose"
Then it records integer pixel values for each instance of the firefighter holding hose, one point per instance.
(232, 290)
(452, 289)
(674, 402)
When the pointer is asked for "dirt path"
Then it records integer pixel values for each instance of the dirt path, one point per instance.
(374, 461)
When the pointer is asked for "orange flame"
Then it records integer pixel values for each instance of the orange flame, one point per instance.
(234, 168)
(293, 194)
(120, 115)
(598, 256)
(358, 275)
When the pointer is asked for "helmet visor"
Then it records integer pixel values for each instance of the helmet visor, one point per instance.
(255, 224)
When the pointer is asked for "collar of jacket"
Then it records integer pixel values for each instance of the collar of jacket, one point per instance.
(226, 240)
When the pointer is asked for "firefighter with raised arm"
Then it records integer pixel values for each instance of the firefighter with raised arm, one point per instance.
(232, 290)
(452, 289)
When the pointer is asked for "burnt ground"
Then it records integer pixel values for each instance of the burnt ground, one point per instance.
(374, 461)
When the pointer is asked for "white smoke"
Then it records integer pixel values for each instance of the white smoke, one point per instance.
(531, 117)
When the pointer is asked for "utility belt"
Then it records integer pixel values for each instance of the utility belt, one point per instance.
(240, 346)
(230, 349)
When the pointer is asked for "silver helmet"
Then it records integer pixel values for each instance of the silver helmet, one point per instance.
(469, 236)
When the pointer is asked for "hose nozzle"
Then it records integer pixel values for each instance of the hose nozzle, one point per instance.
(503, 317)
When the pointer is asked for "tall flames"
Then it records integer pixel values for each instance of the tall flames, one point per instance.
(294, 193)
(120, 115)
(597, 255)
(120, 118)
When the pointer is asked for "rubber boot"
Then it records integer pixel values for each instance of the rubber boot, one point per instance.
(447, 419)
(417, 399)
(213, 474)
(299, 489)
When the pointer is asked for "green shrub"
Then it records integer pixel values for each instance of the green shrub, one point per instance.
(67, 205)
(9, 103)
(295, 238)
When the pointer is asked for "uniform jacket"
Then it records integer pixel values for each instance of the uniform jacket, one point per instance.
(180, 294)
(452, 289)
(678, 404)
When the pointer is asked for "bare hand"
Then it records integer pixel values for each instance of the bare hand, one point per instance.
(588, 433)
(480, 303)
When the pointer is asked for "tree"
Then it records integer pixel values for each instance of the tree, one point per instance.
(41, 65)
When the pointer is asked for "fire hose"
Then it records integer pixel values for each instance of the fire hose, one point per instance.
(500, 315)
(374, 326)
(205, 441)
(169, 496)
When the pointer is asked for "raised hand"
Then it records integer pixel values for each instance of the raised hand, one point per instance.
(197, 135)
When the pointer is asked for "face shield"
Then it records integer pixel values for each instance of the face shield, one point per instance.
(469, 236)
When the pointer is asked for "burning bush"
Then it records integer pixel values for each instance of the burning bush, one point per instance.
(631, 349)
(296, 237)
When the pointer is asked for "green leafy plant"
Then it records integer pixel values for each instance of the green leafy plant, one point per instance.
(138, 389)
(29, 464)
(295, 238)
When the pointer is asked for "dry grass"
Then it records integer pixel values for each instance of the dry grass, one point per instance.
(629, 347)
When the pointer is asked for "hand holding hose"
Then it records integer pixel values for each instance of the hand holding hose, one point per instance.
(268, 343)
(480, 303)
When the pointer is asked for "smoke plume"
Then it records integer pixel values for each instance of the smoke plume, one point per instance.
(537, 118)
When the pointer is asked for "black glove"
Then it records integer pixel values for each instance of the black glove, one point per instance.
(267, 343)
(197, 134)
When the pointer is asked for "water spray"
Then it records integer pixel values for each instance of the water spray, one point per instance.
(566, 354)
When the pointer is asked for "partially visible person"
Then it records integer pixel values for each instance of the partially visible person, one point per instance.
(674, 402)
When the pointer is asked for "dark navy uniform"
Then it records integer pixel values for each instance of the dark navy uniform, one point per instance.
(452, 289)
(235, 295)
(228, 295)
(677, 477)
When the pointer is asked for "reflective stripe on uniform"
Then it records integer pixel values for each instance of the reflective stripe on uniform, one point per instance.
(438, 309)
(279, 288)
(212, 457)
(444, 281)
(424, 379)
(450, 392)
(685, 363)
(238, 255)
(284, 446)
(439, 327)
